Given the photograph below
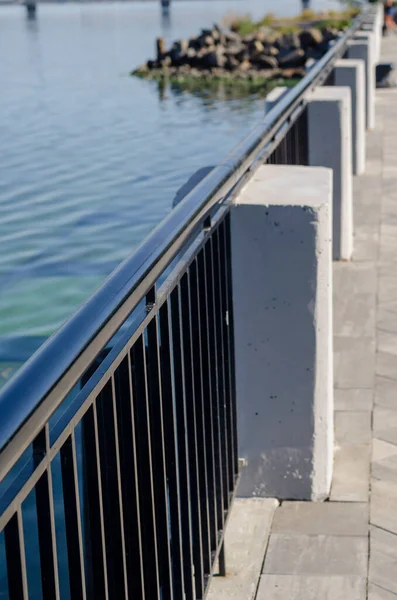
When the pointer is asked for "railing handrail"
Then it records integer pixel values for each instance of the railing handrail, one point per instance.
(56, 364)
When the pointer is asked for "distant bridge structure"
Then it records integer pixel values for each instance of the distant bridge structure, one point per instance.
(31, 6)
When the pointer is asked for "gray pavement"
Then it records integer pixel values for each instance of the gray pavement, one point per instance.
(346, 549)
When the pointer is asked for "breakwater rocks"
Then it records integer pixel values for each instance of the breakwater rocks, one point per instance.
(266, 54)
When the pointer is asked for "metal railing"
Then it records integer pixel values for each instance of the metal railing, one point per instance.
(118, 438)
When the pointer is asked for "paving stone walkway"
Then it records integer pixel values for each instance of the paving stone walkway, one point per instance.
(344, 549)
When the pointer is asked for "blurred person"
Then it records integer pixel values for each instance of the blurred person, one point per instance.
(389, 22)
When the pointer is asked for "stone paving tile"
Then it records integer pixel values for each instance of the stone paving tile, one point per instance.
(385, 424)
(352, 427)
(354, 362)
(377, 593)
(387, 342)
(386, 392)
(384, 505)
(245, 543)
(316, 555)
(383, 418)
(386, 365)
(387, 320)
(382, 450)
(354, 315)
(387, 290)
(365, 245)
(353, 399)
(383, 562)
(385, 469)
(359, 276)
(350, 481)
(328, 518)
(311, 587)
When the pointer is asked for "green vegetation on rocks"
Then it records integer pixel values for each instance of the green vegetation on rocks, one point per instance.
(254, 55)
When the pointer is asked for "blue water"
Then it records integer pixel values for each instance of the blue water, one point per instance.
(91, 158)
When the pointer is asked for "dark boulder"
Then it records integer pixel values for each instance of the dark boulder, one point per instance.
(310, 37)
(180, 45)
(235, 49)
(293, 73)
(214, 59)
(287, 41)
(231, 63)
(232, 37)
(296, 58)
(245, 66)
(161, 49)
(270, 50)
(265, 62)
(243, 54)
(256, 47)
(165, 62)
(208, 40)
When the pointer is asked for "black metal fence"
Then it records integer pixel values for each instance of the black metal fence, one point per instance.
(118, 439)
(145, 451)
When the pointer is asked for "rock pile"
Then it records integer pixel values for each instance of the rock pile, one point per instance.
(266, 54)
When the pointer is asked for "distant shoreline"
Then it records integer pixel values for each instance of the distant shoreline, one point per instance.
(66, 2)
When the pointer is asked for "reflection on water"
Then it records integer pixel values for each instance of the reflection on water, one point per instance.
(212, 94)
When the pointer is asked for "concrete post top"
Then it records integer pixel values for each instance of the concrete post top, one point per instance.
(362, 47)
(331, 93)
(364, 35)
(351, 63)
(358, 42)
(279, 185)
(274, 96)
(276, 93)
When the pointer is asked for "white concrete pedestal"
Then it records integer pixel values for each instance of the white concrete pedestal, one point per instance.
(362, 49)
(351, 73)
(274, 96)
(282, 300)
(330, 145)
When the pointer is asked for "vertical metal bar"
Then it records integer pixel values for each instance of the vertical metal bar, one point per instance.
(191, 437)
(145, 471)
(291, 137)
(183, 455)
(94, 534)
(129, 479)
(207, 399)
(222, 561)
(111, 493)
(171, 452)
(294, 144)
(15, 558)
(71, 502)
(285, 150)
(158, 458)
(226, 354)
(46, 521)
(230, 320)
(219, 316)
(209, 273)
(199, 408)
(287, 144)
(278, 155)
(303, 135)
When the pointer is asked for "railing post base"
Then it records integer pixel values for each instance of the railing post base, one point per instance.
(282, 300)
(329, 144)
